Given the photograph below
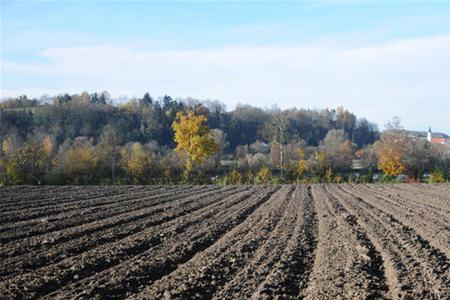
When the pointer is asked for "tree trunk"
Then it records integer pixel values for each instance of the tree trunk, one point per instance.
(281, 160)
(189, 165)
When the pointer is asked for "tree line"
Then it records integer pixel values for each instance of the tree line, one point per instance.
(92, 139)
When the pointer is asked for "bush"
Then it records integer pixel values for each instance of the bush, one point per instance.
(329, 175)
(249, 177)
(352, 178)
(338, 178)
(263, 176)
(233, 177)
(315, 179)
(367, 178)
(437, 176)
(2, 173)
(386, 179)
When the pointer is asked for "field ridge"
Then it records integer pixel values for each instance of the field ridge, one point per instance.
(324, 241)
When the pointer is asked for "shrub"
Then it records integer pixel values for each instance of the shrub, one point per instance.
(365, 179)
(263, 176)
(249, 178)
(437, 176)
(386, 179)
(233, 177)
(368, 178)
(338, 179)
(352, 178)
(2, 173)
(329, 175)
(315, 179)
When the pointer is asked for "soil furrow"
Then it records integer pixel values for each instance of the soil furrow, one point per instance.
(82, 205)
(64, 195)
(430, 196)
(209, 270)
(47, 279)
(247, 280)
(55, 253)
(289, 277)
(15, 194)
(422, 272)
(347, 264)
(425, 223)
(420, 198)
(45, 224)
(326, 241)
(34, 236)
(407, 202)
(180, 245)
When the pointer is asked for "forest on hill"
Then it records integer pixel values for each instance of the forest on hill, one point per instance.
(91, 139)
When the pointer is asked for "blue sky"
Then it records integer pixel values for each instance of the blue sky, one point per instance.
(377, 58)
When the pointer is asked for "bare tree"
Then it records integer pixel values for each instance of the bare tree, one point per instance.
(108, 149)
(276, 132)
(395, 124)
(338, 148)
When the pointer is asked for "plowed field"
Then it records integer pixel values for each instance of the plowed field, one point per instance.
(236, 242)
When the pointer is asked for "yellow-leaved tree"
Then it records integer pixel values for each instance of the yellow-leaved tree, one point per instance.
(322, 163)
(80, 164)
(302, 165)
(391, 151)
(27, 164)
(263, 176)
(194, 140)
(136, 162)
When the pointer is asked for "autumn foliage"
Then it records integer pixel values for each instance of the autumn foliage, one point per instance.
(302, 165)
(27, 164)
(135, 161)
(194, 139)
(391, 152)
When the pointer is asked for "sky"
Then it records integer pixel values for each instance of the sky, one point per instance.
(379, 59)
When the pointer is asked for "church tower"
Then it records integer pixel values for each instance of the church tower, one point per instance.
(429, 137)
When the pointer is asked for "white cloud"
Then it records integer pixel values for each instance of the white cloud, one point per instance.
(406, 77)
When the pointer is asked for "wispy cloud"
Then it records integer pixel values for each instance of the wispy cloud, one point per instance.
(404, 77)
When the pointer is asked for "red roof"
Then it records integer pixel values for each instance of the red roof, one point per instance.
(438, 140)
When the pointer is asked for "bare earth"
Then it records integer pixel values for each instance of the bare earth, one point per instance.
(236, 242)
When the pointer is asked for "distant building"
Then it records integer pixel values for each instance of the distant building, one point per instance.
(436, 140)
(439, 141)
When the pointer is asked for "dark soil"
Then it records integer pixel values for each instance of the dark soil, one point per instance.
(236, 242)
